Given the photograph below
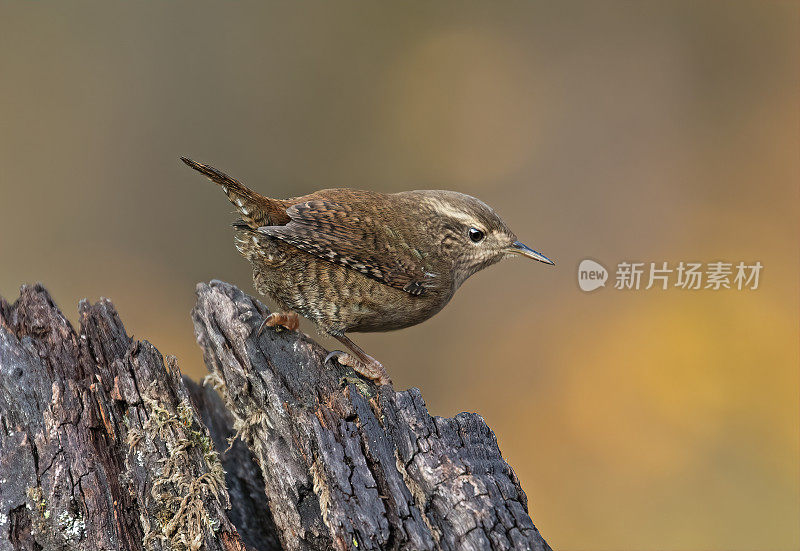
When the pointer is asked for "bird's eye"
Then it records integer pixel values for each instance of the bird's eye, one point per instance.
(476, 235)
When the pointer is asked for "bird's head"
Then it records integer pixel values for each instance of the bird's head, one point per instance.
(471, 234)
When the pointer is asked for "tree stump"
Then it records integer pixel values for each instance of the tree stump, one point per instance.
(103, 445)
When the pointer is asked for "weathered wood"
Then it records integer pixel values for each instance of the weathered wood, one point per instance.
(348, 465)
(103, 445)
(100, 447)
(249, 506)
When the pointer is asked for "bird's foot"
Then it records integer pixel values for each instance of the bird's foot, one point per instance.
(372, 370)
(281, 320)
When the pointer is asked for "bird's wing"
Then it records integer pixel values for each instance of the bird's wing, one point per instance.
(358, 238)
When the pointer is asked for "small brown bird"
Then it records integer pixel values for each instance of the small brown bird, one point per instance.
(358, 261)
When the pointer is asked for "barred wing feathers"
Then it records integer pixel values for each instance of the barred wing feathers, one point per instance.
(356, 238)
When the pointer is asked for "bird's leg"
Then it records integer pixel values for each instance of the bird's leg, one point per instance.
(361, 362)
(287, 320)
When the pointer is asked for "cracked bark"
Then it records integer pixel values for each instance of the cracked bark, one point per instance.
(103, 445)
(348, 465)
(100, 447)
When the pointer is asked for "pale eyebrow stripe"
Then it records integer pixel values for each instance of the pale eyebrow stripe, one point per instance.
(449, 211)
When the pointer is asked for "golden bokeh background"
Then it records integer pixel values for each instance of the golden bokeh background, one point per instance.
(638, 131)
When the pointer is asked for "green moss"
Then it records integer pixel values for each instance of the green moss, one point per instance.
(38, 501)
(364, 388)
(180, 490)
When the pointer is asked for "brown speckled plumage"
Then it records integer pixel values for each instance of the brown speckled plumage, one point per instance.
(357, 261)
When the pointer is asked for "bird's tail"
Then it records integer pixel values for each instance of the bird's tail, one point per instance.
(255, 209)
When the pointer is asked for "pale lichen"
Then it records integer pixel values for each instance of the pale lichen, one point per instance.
(72, 527)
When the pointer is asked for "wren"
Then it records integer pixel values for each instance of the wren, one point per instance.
(358, 261)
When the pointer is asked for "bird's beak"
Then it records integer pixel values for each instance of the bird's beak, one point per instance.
(523, 250)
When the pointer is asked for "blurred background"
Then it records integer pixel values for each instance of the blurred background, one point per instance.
(619, 131)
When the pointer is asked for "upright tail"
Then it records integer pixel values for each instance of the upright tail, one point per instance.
(256, 210)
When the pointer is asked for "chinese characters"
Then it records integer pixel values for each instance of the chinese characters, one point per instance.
(688, 275)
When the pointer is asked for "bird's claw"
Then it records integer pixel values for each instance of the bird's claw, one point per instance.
(333, 354)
